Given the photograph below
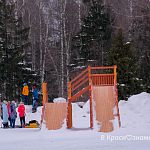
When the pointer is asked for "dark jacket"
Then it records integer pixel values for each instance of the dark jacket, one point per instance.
(13, 113)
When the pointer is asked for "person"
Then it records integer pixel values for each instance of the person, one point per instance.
(21, 111)
(8, 108)
(35, 99)
(1, 116)
(25, 93)
(13, 114)
(5, 114)
(1, 109)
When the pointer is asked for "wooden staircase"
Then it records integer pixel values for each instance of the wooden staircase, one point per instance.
(101, 85)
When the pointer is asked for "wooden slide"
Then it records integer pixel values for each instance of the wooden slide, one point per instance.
(55, 114)
(104, 105)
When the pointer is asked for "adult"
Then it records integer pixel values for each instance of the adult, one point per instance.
(13, 114)
(21, 111)
(35, 99)
(5, 114)
(25, 93)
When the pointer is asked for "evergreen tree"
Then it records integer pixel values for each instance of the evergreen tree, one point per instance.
(122, 55)
(140, 35)
(92, 42)
(145, 70)
(13, 43)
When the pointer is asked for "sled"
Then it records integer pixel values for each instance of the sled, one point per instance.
(32, 124)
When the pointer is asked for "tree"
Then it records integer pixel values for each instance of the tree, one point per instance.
(122, 55)
(141, 33)
(13, 44)
(92, 41)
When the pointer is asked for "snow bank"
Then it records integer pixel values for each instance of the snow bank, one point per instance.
(81, 118)
(59, 100)
(136, 111)
(134, 118)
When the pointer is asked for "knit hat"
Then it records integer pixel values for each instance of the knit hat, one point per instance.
(24, 84)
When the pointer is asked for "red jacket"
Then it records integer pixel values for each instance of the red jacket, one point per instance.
(8, 107)
(21, 110)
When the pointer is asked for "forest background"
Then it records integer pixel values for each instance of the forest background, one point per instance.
(53, 40)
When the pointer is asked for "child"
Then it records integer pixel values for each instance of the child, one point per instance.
(13, 114)
(21, 111)
(8, 108)
(5, 114)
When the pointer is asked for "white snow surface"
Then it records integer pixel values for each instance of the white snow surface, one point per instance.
(59, 100)
(135, 120)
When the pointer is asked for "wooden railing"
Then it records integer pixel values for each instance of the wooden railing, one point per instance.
(77, 87)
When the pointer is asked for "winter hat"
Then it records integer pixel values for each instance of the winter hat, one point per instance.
(21, 102)
(24, 84)
(5, 102)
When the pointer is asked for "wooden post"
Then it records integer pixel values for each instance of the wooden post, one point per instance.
(44, 92)
(115, 74)
(116, 91)
(69, 109)
(90, 95)
(44, 101)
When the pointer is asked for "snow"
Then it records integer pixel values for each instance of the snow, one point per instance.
(135, 127)
(59, 100)
(127, 42)
(29, 69)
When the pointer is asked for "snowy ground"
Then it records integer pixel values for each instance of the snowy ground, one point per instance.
(135, 119)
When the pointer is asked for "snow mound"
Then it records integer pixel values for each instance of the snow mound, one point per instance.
(59, 100)
(81, 118)
(135, 112)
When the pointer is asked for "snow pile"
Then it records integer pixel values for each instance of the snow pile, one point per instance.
(81, 119)
(135, 113)
(59, 100)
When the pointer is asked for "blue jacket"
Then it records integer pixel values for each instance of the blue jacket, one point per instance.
(35, 94)
(13, 113)
(5, 113)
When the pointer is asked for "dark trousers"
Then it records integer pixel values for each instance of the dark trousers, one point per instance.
(35, 104)
(25, 100)
(22, 121)
(12, 123)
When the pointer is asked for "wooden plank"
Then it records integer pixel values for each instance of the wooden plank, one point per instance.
(99, 75)
(80, 80)
(102, 67)
(105, 103)
(81, 83)
(55, 114)
(77, 77)
(80, 93)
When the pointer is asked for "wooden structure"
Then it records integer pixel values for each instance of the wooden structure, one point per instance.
(53, 114)
(101, 84)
